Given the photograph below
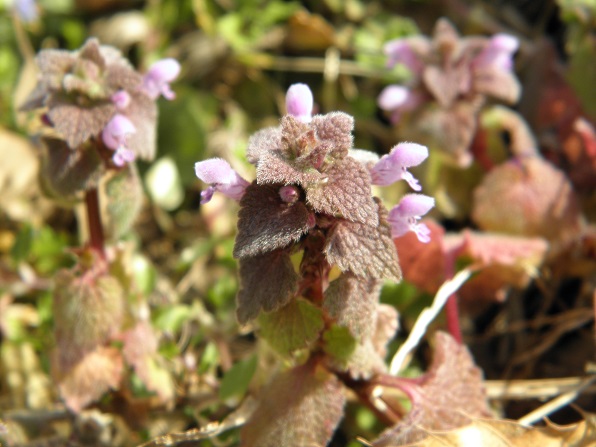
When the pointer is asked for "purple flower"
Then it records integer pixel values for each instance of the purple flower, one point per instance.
(26, 10)
(289, 193)
(399, 51)
(221, 177)
(392, 166)
(121, 99)
(405, 216)
(299, 102)
(115, 136)
(399, 99)
(157, 79)
(498, 53)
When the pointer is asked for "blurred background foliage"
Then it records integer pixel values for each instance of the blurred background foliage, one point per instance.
(238, 58)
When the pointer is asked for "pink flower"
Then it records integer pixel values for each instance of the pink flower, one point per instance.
(405, 216)
(115, 136)
(399, 99)
(121, 99)
(393, 166)
(498, 53)
(221, 177)
(299, 102)
(399, 51)
(157, 79)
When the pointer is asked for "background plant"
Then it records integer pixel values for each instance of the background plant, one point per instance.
(526, 314)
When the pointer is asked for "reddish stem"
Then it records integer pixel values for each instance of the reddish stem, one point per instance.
(96, 237)
(452, 314)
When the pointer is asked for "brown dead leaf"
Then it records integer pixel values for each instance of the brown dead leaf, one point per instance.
(506, 433)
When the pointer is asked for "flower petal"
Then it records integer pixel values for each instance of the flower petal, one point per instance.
(299, 102)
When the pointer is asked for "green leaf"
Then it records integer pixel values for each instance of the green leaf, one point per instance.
(22, 244)
(339, 342)
(235, 381)
(293, 327)
(124, 196)
(172, 318)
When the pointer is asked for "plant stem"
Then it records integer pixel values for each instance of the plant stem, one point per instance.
(96, 237)
(452, 314)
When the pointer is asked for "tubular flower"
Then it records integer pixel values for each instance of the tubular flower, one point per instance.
(393, 166)
(221, 177)
(115, 136)
(157, 79)
(299, 102)
(405, 216)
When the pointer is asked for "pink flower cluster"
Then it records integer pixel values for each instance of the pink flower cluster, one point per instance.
(385, 171)
(155, 82)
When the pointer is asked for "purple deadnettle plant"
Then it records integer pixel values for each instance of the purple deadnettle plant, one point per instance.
(451, 79)
(314, 247)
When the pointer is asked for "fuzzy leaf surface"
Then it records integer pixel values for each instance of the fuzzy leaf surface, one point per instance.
(346, 193)
(339, 342)
(301, 407)
(365, 250)
(65, 171)
(77, 123)
(267, 283)
(445, 397)
(293, 327)
(124, 198)
(266, 222)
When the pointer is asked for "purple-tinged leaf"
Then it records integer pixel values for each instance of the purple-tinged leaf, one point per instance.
(446, 397)
(124, 199)
(387, 325)
(262, 142)
(88, 310)
(365, 250)
(142, 111)
(336, 129)
(77, 123)
(362, 363)
(295, 326)
(266, 222)
(346, 193)
(272, 168)
(267, 282)
(500, 84)
(301, 407)
(65, 172)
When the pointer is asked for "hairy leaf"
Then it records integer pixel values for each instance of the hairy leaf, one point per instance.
(124, 199)
(352, 301)
(446, 397)
(65, 172)
(95, 374)
(78, 122)
(498, 83)
(336, 128)
(273, 168)
(362, 363)
(339, 343)
(301, 407)
(262, 142)
(295, 326)
(346, 193)
(142, 111)
(266, 222)
(88, 310)
(366, 251)
(267, 282)
(387, 325)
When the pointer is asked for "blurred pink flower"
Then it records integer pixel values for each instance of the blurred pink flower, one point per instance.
(115, 136)
(157, 79)
(393, 166)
